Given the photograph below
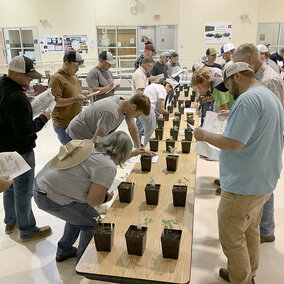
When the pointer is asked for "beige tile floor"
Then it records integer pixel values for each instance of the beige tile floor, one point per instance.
(35, 262)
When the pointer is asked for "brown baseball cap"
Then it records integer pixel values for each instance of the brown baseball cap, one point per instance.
(24, 65)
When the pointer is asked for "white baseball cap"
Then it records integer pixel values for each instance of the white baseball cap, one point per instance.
(107, 56)
(24, 65)
(262, 48)
(225, 48)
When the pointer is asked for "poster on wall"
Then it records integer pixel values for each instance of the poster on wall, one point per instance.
(75, 42)
(51, 44)
(218, 32)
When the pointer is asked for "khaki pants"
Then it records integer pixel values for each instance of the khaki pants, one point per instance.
(238, 220)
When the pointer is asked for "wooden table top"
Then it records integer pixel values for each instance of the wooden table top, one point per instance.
(151, 267)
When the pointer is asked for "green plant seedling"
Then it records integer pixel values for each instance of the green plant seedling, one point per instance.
(184, 181)
(147, 221)
(168, 224)
(152, 181)
(176, 118)
(175, 128)
(98, 219)
(172, 149)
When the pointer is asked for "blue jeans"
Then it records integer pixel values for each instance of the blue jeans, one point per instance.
(139, 127)
(61, 134)
(148, 124)
(17, 200)
(168, 99)
(79, 219)
(267, 224)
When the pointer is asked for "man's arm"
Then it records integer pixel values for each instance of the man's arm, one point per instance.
(132, 128)
(218, 140)
(162, 106)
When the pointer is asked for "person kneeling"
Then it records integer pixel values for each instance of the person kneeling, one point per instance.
(77, 179)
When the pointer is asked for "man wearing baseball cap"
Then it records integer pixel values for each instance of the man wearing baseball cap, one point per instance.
(227, 52)
(100, 78)
(211, 58)
(250, 165)
(67, 91)
(264, 57)
(18, 133)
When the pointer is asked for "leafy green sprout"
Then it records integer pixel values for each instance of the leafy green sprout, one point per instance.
(98, 219)
(145, 223)
(176, 118)
(172, 149)
(168, 224)
(175, 128)
(184, 181)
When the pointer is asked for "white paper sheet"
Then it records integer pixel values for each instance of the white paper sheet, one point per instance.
(116, 82)
(12, 164)
(190, 110)
(92, 94)
(42, 102)
(177, 73)
(205, 149)
(115, 184)
(159, 77)
(136, 159)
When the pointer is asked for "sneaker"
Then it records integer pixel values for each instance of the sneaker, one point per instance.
(216, 181)
(73, 253)
(10, 228)
(268, 239)
(41, 233)
(224, 274)
(218, 191)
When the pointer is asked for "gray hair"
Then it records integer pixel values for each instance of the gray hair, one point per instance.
(117, 145)
(148, 60)
(243, 51)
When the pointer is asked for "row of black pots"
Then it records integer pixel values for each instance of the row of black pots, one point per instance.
(159, 133)
(136, 240)
(171, 161)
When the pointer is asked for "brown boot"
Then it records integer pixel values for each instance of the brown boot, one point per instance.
(218, 191)
(10, 228)
(41, 233)
(268, 239)
(217, 182)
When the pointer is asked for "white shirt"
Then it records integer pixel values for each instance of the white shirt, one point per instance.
(139, 80)
(155, 92)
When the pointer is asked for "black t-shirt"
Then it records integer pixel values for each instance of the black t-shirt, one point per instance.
(160, 69)
(276, 57)
(216, 65)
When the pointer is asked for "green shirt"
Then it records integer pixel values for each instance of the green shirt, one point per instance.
(223, 98)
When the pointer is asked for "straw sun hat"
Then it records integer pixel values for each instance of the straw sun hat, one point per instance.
(72, 154)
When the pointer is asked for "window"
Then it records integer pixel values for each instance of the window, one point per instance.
(271, 33)
(20, 41)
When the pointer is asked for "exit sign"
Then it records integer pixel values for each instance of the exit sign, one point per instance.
(156, 17)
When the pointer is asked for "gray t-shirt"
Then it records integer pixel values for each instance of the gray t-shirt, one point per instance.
(99, 78)
(105, 115)
(72, 185)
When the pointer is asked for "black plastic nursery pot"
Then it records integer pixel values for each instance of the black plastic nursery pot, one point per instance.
(161, 122)
(170, 142)
(172, 162)
(178, 114)
(174, 133)
(170, 109)
(136, 240)
(175, 97)
(186, 91)
(185, 87)
(170, 243)
(146, 163)
(187, 103)
(179, 195)
(154, 144)
(181, 109)
(190, 120)
(188, 134)
(180, 88)
(176, 123)
(177, 92)
(159, 133)
(166, 116)
(185, 146)
(152, 194)
(103, 236)
(174, 103)
(180, 102)
(192, 98)
(126, 191)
